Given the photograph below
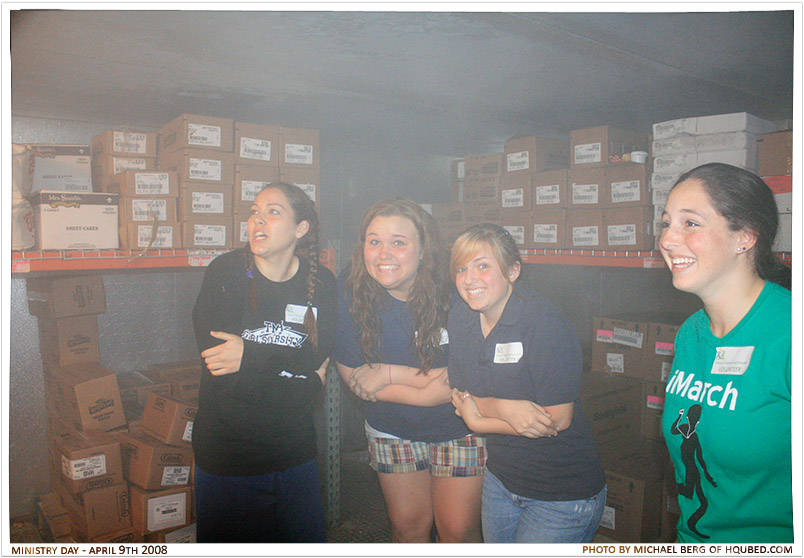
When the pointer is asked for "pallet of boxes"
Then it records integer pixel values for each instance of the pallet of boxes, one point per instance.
(113, 479)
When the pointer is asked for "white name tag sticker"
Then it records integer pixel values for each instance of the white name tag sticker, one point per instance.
(444, 337)
(732, 361)
(508, 353)
(295, 313)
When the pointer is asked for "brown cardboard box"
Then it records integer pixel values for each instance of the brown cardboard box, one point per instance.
(205, 200)
(160, 510)
(449, 214)
(549, 228)
(586, 188)
(207, 233)
(240, 229)
(585, 229)
(627, 185)
(168, 419)
(529, 154)
(144, 183)
(128, 535)
(652, 407)
(196, 131)
(629, 228)
(550, 189)
(634, 476)
(98, 512)
(125, 143)
(153, 465)
(249, 181)
(515, 192)
(135, 387)
(611, 404)
(518, 225)
(180, 535)
(483, 212)
(137, 236)
(299, 147)
(105, 167)
(456, 191)
(184, 384)
(256, 144)
(592, 147)
(659, 349)
(88, 397)
(775, 154)
(618, 346)
(484, 165)
(89, 460)
(51, 519)
(482, 189)
(306, 178)
(72, 340)
(198, 165)
(147, 210)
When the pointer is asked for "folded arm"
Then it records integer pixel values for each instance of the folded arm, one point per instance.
(512, 416)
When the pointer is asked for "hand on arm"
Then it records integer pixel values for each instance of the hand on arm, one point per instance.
(466, 408)
(226, 357)
(526, 418)
(435, 392)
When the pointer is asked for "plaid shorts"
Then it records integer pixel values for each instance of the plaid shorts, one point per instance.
(463, 457)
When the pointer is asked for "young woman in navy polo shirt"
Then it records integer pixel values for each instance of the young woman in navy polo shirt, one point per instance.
(515, 366)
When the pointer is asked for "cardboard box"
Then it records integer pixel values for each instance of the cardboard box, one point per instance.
(675, 145)
(160, 510)
(147, 210)
(128, 535)
(89, 397)
(89, 460)
(629, 228)
(153, 465)
(618, 346)
(199, 165)
(550, 189)
(125, 143)
(64, 168)
(449, 214)
(677, 163)
(136, 236)
(483, 212)
(181, 535)
(529, 154)
(775, 154)
(306, 178)
(659, 350)
(518, 225)
(184, 385)
(456, 191)
(664, 180)
(71, 340)
(670, 508)
(484, 165)
(587, 188)
(634, 476)
(51, 519)
(240, 229)
(134, 388)
(75, 221)
(743, 158)
(592, 147)
(207, 232)
(98, 512)
(733, 122)
(63, 296)
(250, 180)
(168, 419)
(256, 144)
(627, 185)
(205, 200)
(652, 408)
(196, 131)
(515, 192)
(299, 147)
(585, 229)
(674, 128)
(482, 189)
(549, 228)
(144, 183)
(106, 167)
(612, 405)
(726, 141)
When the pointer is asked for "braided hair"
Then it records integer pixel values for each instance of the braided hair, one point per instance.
(307, 247)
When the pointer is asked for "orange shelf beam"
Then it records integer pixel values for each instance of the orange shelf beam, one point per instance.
(605, 258)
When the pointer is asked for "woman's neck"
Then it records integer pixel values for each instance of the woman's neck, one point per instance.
(726, 308)
(279, 267)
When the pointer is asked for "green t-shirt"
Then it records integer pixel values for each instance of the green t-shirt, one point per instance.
(727, 425)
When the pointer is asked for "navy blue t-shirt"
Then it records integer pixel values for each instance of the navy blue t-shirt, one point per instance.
(532, 353)
(422, 424)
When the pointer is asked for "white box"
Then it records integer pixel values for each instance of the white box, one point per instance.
(673, 128)
(726, 141)
(76, 221)
(64, 168)
(659, 195)
(784, 238)
(784, 202)
(733, 122)
(671, 146)
(665, 179)
(680, 163)
(743, 158)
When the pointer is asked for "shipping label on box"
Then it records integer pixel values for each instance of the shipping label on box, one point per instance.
(197, 131)
(125, 143)
(67, 221)
(659, 350)
(205, 200)
(151, 464)
(135, 236)
(549, 228)
(60, 297)
(168, 419)
(107, 166)
(144, 183)
(198, 165)
(618, 346)
(585, 228)
(627, 185)
(256, 144)
(250, 180)
(629, 227)
(65, 168)
(89, 460)
(515, 191)
(160, 510)
(147, 209)
(550, 189)
(299, 147)
(207, 232)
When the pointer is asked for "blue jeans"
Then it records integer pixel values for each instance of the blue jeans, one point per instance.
(285, 506)
(510, 518)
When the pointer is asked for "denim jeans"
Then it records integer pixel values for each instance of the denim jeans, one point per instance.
(510, 518)
(285, 506)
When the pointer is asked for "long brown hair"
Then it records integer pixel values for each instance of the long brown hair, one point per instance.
(307, 247)
(429, 296)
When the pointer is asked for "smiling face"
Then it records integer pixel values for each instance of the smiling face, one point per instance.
(699, 247)
(484, 285)
(272, 227)
(392, 252)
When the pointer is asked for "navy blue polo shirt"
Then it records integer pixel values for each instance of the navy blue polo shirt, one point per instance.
(532, 353)
(422, 424)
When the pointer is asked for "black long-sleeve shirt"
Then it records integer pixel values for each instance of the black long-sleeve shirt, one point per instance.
(260, 419)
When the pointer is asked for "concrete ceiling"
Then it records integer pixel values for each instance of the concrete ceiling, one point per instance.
(455, 83)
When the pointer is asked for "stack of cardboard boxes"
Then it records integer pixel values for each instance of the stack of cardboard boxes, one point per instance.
(120, 460)
(775, 166)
